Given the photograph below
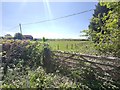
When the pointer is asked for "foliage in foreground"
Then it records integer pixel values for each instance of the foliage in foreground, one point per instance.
(36, 79)
(23, 61)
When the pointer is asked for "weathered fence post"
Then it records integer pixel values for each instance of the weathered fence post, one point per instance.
(71, 46)
(75, 46)
(47, 59)
(58, 47)
(67, 46)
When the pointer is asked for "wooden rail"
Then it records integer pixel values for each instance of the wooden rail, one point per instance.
(108, 66)
(101, 60)
(90, 56)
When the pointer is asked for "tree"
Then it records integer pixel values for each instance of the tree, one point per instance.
(18, 36)
(44, 39)
(104, 28)
(8, 36)
(112, 28)
(97, 23)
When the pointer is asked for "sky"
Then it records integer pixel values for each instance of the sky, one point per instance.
(15, 13)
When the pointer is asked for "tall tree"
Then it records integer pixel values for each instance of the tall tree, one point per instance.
(104, 28)
(18, 36)
(97, 23)
(112, 28)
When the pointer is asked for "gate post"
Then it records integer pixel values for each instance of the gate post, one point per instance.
(47, 59)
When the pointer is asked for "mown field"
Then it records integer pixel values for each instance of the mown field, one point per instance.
(84, 47)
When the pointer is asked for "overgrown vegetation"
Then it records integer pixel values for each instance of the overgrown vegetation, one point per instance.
(104, 28)
(23, 61)
(25, 67)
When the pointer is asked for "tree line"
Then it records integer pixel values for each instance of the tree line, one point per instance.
(18, 36)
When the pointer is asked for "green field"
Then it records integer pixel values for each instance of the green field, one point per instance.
(84, 47)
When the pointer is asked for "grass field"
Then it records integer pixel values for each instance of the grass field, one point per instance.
(84, 47)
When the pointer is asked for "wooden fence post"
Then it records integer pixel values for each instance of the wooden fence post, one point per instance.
(58, 47)
(47, 59)
(67, 46)
(75, 46)
(71, 46)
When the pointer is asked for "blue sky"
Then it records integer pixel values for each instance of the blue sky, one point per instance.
(14, 13)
